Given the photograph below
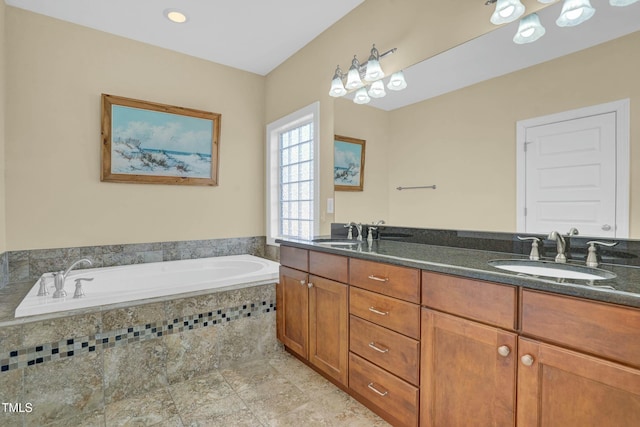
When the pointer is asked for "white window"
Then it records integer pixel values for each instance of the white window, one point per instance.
(292, 175)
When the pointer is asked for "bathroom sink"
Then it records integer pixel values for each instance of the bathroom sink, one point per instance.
(337, 242)
(552, 269)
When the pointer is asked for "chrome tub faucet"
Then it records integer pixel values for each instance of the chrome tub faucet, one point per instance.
(60, 277)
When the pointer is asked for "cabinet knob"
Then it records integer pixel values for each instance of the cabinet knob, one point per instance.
(310, 285)
(303, 282)
(527, 360)
(504, 350)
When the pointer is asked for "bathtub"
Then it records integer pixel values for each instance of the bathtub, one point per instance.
(122, 284)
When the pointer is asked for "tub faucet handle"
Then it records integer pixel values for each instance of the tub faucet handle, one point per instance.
(79, 291)
(42, 291)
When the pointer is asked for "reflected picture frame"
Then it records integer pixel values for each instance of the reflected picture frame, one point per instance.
(145, 142)
(348, 163)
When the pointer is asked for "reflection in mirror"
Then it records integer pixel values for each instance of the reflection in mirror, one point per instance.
(456, 123)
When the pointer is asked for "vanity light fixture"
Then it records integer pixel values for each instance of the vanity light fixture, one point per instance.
(575, 12)
(365, 79)
(506, 11)
(176, 16)
(529, 30)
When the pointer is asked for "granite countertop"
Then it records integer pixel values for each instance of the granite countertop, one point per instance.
(472, 263)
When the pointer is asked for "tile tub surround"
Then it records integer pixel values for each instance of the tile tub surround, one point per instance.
(30, 264)
(4, 269)
(72, 367)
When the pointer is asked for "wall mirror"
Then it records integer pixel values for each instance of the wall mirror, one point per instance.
(457, 126)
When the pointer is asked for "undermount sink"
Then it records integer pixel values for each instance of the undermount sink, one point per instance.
(337, 242)
(552, 269)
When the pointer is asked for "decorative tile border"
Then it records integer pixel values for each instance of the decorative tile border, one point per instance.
(69, 347)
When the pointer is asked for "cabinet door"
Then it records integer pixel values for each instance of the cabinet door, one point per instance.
(294, 318)
(558, 387)
(468, 373)
(328, 344)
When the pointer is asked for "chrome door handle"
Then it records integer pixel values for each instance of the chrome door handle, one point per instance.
(606, 227)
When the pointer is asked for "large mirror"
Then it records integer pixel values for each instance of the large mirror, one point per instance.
(460, 132)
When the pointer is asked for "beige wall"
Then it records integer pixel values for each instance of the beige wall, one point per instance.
(465, 141)
(56, 72)
(3, 216)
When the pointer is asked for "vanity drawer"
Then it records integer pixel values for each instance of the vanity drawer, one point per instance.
(294, 257)
(397, 398)
(392, 280)
(334, 267)
(485, 302)
(391, 313)
(602, 329)
(390, 350)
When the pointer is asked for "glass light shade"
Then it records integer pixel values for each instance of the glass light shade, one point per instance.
(575, 12)
(374, 70)
(362, 97)
(397, 81)
(546, 1)
(507, 11)
(337, 88)
(376, 90)
(621, 2)
(529, 29)
(353, 76)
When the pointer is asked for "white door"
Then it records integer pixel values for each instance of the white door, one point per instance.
(571, 177)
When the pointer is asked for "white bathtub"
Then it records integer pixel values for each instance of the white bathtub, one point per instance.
(113, 285)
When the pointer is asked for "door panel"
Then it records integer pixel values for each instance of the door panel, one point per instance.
(571, 176)
(295, 310)
(564, 388)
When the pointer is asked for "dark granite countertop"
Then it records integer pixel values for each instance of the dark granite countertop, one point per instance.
(472, 263)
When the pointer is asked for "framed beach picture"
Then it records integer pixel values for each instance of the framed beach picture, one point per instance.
(348, 163)
(146, 142)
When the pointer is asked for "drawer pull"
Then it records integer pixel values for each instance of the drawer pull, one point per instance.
(378, 279)
(376, 311)
(376, 348)
(370, 385)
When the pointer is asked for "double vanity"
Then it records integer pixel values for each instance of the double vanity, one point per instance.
(435, 335)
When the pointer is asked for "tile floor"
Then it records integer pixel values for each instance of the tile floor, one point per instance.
(279, 391)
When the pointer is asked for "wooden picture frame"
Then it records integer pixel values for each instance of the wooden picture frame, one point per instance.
(150, 143)
(348, 163)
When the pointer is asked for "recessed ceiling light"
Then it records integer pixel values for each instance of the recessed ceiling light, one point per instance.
(175, 16)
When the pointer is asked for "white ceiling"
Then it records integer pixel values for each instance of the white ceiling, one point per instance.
(251, 35)
(257, 36)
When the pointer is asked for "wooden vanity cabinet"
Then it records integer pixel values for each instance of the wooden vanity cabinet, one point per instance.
(468, 356)
(384, 339)
(578, 362)
(312, 310)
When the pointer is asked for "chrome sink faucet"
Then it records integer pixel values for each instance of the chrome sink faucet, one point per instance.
(60, 277)
(349, 226)
(560, 246)
(359, 228)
